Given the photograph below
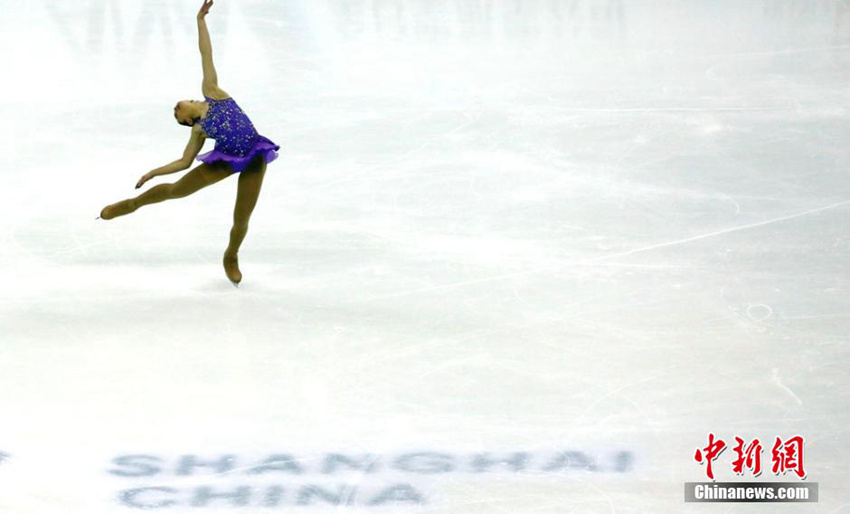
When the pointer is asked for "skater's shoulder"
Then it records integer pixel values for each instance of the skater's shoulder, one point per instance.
(198, 131)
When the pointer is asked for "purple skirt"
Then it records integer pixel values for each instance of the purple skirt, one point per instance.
(264, 147)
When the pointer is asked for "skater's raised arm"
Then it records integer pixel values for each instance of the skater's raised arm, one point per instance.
(196, 142)
(210, 83)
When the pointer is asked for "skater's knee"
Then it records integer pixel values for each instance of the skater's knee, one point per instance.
(172, 190)
(240, 224)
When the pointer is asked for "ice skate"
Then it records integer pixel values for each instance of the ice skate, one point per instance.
(231, 269)
(117, 209)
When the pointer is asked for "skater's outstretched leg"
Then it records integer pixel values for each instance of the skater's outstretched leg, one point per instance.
(250, 182)
(197, 179)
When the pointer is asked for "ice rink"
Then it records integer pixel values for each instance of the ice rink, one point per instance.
(516, 256)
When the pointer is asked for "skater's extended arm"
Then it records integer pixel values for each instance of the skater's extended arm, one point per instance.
(210, 83)
(196, 142)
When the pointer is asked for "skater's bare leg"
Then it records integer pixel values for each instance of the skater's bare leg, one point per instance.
(250, 182)
(197, 179)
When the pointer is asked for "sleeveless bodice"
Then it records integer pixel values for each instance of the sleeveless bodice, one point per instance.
(225, 122)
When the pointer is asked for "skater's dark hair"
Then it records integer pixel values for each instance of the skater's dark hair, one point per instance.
(186, 122)
(194, 120)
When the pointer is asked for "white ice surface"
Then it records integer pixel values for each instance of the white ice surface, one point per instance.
(495, 226)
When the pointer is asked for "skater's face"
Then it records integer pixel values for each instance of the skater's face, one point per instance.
(183, 112)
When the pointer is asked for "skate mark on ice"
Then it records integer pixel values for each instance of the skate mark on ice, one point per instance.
(627, 253)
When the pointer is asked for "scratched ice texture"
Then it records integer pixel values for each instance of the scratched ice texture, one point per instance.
(497, 229)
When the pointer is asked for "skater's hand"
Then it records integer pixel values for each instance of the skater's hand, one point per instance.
(205, 9)
(145, 178)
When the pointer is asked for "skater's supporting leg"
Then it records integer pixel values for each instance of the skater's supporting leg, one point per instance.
(197, 179)
(250, 182)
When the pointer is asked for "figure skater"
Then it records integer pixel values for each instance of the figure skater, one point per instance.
(238, 149)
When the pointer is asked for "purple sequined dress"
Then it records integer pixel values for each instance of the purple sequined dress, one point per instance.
(236, 139)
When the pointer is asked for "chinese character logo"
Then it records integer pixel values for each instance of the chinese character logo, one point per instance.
(710, 453)
(749, 457)
(786, 456)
